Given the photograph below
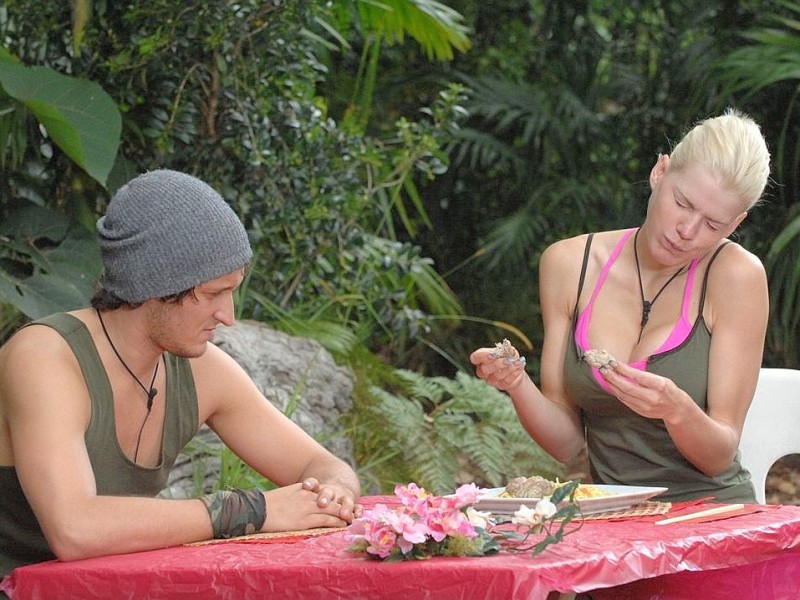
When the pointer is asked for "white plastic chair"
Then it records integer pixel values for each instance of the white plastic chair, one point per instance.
(772, 428)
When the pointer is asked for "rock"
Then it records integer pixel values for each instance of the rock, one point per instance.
(297, 375)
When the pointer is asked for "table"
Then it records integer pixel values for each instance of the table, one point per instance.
(755, 556)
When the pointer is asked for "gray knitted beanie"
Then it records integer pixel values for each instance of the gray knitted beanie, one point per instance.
(165, 232)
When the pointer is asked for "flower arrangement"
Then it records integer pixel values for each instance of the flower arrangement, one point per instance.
(425, 525)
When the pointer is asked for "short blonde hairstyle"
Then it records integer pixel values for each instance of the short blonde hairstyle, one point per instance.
(731, 147)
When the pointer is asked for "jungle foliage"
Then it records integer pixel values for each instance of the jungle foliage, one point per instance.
(569, 104)
(399, 165)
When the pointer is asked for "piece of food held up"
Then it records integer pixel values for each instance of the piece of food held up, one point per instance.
(599, 358)
(506, 351)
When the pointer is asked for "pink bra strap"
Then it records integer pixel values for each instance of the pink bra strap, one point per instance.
(683, 328)
(582, 326)
(687, 291)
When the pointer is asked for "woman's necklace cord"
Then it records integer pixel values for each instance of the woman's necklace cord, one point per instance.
(151, 393)
(647, 305)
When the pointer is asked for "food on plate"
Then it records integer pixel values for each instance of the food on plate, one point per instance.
(599, 358)
(587, 490)
(539, 487)
(530, 487)
(504, 349)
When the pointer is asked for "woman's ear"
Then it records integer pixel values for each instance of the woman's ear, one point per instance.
(738, 221)
(659, 169)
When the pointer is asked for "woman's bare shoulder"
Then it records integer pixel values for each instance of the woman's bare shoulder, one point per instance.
(603, 243)
(737, 255)
(735, 269)
(564, 248)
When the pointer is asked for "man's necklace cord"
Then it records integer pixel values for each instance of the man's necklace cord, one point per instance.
(151, 393)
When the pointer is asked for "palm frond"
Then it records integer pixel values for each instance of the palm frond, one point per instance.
(437, 28)
(476, 149)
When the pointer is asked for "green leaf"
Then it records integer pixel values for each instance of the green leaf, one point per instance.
(564, 492)
(40, 295)
(50, 266)
(78, 115)
(789, 233)
(433, 25)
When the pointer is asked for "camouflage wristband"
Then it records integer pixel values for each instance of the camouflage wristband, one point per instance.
(236, 512)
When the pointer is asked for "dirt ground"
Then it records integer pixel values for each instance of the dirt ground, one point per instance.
(783, 481)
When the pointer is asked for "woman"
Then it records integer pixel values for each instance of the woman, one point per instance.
(680, 308)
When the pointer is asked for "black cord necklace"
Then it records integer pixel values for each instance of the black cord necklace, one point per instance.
(151, 393)
(647, 305)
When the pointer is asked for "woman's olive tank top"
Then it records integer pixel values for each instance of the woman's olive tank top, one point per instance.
(627, 449)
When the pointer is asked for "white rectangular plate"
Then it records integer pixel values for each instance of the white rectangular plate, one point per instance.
(620, 498)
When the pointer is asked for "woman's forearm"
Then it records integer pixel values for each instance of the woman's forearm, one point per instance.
(553, 426)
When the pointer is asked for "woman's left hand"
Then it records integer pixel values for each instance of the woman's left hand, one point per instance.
(647, 394)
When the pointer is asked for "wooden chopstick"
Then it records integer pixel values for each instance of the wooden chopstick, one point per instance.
(701, 514)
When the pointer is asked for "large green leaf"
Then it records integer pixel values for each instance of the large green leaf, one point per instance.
(40, 294)
(433, 25)
(50, 266)
(78, 115)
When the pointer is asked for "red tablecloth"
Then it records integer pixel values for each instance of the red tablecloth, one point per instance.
(756, 555)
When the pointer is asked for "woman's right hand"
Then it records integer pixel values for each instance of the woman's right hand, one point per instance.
(503, 372)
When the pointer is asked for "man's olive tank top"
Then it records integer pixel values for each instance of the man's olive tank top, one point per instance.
(21, 539)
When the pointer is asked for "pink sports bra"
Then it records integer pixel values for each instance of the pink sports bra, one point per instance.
(679, 334)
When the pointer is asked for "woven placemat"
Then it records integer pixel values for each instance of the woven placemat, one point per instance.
(276, 536)
(648, 508)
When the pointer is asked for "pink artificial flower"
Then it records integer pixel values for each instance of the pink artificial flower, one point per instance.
(442, 522)
(412, 496)
(378, 512)
(381, 539)
(409, 530)
(357, 530)
(467, 494)
(456, 523)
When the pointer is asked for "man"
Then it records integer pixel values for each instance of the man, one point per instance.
(95, 404)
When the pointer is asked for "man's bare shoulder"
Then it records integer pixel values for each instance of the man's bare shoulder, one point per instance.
(40, 383)
(216, 372)
(33, 358)
(213, 357)
(34, 343)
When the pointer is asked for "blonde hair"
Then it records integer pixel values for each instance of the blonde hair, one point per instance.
(731, 147)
